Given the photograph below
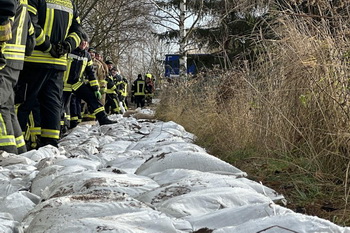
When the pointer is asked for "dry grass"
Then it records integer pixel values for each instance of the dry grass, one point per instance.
(285, 118)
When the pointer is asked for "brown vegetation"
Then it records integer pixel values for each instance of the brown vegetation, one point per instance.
(284, 119)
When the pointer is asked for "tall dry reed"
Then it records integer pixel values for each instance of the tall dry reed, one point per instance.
(292, 101)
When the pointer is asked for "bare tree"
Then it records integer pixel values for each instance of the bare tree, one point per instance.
(172, 16)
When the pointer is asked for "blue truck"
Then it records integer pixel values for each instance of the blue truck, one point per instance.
(195, 63)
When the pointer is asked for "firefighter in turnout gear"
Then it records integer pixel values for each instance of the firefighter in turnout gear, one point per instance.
(58, 31)
(22, 43)
(138, 91)
(112, 101)
(80, 62)
(101, 73)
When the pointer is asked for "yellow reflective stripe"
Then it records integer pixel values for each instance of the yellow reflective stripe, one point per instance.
(66, 73)
(3, 130)
(20, 141)
(75, 37)
(49, 21)
(109, 91)
(31, 29)
(67, 88)
(74, 118)
(78, 20)
(21, 24)
(32, 9)
(93, 83)
(7, 140)
(101, 109)
(70, 21)
(46, 58)
(41, 38)
(50, 133)
(14, 52)
(35, 130)
(31, 120)
(75, 86)
(16, 47)
(90, 63)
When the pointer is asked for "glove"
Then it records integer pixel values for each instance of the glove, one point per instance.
(55, 51)
(60, 49)
(66, 47)
(102, 90)
(98, 95)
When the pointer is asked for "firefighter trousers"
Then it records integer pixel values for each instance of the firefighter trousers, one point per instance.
(95, 107)
(11, 138)
(45, 85)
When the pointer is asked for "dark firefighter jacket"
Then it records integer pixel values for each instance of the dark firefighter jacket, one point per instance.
(138, 87)
(54, 21)
(23, 39)
(79, 62)
(7, 10)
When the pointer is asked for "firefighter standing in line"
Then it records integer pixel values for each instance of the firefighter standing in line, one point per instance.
(79, 62)
(112, 101)
(22, 43)
(101, 73)
(138, 91)
(149, 90)
(57, 30)
(121, 84)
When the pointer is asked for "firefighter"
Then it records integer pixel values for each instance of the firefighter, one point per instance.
(80, 62)
(112, 100)
(138, 91)
(58, 31)
(149, 90)
(21, 43)
(121, 89)
(101, 73)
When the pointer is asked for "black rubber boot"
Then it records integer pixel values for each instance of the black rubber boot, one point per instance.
(105, 121)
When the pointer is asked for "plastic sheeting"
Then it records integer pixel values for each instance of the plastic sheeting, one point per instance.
(138, 176)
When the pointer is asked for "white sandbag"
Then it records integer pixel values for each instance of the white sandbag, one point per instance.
(187, 160)
(129, 161)
(115, 147)
(9, 186)
(43, 152)
(202, 202)
(17, 204)
(46, 162)
(45, 177)
(7, 159)
(286, 223)
(89, 181)
(234, 216)
(88, 164)
(8, 225)
(64, 209)
(149, 221)
(170, 147)
(193, 182)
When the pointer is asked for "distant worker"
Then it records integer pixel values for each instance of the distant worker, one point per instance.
(149, 90)
(138, 91)
(80, 62)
